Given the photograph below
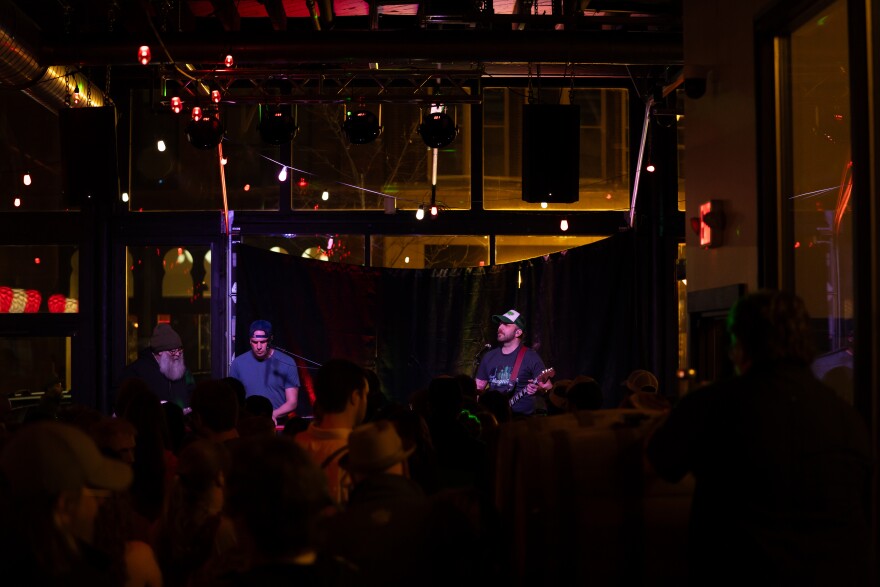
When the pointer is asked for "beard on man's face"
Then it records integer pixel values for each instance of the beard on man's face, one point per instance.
(172, 366)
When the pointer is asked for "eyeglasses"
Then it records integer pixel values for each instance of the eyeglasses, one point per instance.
(175, 351)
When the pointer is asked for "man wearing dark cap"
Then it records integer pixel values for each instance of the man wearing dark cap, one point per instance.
(162, 367)
(268, 373)
(513, 368)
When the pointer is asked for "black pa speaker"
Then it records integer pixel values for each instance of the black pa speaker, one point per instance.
(89, 168)
(551, 153)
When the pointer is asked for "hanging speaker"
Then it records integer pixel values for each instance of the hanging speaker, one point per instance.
(89, 169)
(551, 153)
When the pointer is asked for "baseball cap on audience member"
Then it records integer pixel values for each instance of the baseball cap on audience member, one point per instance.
(510, 317)
(260, 325)
(47, 458)
(165, 338)
(641, 380)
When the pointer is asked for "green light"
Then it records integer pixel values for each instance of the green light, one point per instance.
(822, 21)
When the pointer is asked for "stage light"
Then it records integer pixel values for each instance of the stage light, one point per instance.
(176, 105)
(205, 133)
(229, 61)
(438, 130)
(196, 113)
(144, 54)
(361, 127)
(215, 96)
(276, 126)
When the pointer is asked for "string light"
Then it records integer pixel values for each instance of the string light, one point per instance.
(160, 144)
(26, 180)
(433, 210)
(420, 213)
(325, 196)
(144, 55)
(16, 202)
(543, 204)
(650, 168)
(563, 226)
(282, 175)
(329, 243)
(223, 160)
(124, 196)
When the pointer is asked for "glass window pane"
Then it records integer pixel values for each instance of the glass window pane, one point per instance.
(821, 187)
(429, 252)
(509, 249)
(604, 148)
(29, 144)
(167, 284)
(323, 170)
(39, 278)
(32, 365)
(340, 248)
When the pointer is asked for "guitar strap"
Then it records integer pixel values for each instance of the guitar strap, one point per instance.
(516, 364)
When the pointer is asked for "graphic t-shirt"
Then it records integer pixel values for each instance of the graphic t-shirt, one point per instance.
(496, 368)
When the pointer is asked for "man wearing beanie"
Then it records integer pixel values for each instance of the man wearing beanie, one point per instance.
(161, 366)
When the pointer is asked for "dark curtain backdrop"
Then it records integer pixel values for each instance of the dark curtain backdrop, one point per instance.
(410, 325)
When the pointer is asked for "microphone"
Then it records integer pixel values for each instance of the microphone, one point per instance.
(483, 350)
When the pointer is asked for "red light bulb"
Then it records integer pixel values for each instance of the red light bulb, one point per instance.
(176, 105)
(228, 61)
(196, 113)
(215, 96)
(144, 55)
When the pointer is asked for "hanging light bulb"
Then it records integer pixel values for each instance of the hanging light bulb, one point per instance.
(196, 113)
(223, 160)
(176, 105)
(329, 243)
(433, 210)
(325, 196)
(420, 213)
(124, 196)
(543, 204)
(650, 168)
(302, 182)
(160, 145)
(563, 226)
(229, 61)
(76, 96)
(282, 175)
(215, 96)
(26, 180)
(16, 202)
(144, 54)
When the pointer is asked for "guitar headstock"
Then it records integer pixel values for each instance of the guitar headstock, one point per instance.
(546, 374)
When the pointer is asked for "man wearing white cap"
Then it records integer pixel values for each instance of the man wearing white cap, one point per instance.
(513, 368)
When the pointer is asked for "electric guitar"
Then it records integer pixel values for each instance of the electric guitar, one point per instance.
(541, 378)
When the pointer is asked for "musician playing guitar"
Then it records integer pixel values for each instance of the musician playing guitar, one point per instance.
(512, 367)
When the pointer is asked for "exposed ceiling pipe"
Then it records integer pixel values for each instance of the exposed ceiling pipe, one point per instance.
(20, 68)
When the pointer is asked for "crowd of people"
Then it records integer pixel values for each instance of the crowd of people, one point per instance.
(196, 484)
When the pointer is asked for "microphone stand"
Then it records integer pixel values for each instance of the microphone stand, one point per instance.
(295, 356)
(478, 358)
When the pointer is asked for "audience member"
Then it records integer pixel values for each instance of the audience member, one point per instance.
(638, 381)
(585, 393)
(782, 465)
(193, 532)
(341, 390)
(214, 413)
(276, 495)
(52, 480)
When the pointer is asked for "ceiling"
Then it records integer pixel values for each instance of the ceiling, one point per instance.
(314, 50)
